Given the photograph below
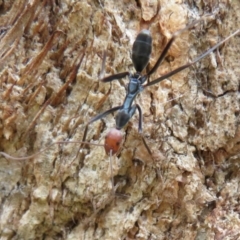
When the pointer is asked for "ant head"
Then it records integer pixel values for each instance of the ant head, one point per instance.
(113, 141)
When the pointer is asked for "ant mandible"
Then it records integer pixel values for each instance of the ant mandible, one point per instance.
(141, 52)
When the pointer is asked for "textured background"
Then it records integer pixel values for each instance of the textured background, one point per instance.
(51, 55)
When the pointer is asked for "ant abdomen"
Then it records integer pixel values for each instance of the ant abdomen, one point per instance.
(141, 51)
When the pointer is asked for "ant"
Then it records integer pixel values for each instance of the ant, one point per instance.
(141, 52)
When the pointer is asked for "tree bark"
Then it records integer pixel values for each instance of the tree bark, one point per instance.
(51, 57)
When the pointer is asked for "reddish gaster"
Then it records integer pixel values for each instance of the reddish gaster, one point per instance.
(113, 141)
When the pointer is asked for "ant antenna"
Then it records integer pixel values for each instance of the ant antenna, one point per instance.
(110, 149)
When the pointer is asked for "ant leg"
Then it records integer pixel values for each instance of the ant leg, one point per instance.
(169, 44)
(7, 156)
(115, 77)
(191, 63)
(166, 48)
(146, 146)
(99, 116)
(86, 129)
(111, 170)
(140, 118)
(140, 128)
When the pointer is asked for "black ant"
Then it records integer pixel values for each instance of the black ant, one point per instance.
(141, 52)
